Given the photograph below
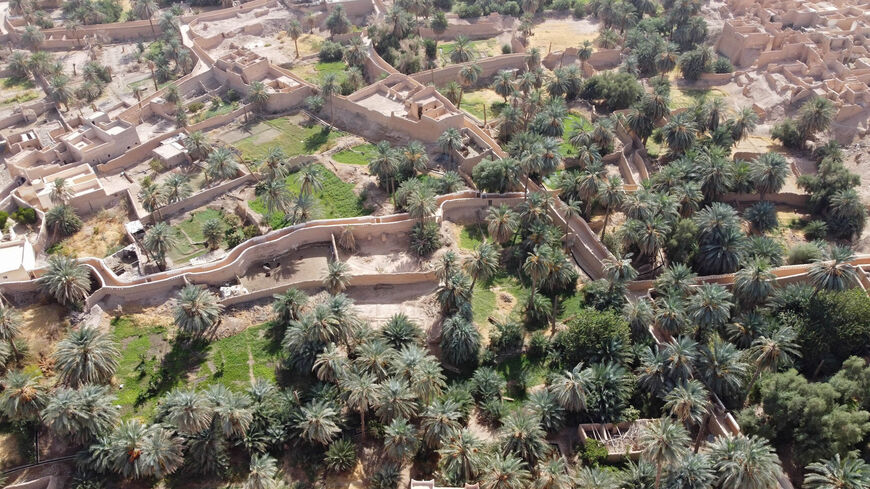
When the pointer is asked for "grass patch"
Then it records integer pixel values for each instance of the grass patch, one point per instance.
(22, 83)
(517, 367)
(192, 226)
(223, 108)
(483, 301)
(315, 73)
(294, 139)
(335, 200)
(229, 359)
(139, 345)
(483, 48)
(360, 154)
(681, 99)
(470, 237)
(573, 122)
(20, 98)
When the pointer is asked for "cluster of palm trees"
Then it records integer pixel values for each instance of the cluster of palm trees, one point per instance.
(276, 196)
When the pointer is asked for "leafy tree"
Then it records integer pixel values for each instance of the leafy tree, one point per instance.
(588, 334)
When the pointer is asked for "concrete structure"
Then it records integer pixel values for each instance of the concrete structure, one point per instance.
(16, 260)
(802, 49)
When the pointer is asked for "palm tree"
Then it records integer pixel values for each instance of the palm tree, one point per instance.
(502, 223)
(221, 164)
(60, 90)
(86, 356)
(60, 192)
(837, 473)
(10, 328)
(318, 422)
(414, 157)
(503, 84)
(689, 402)
(396, 400)
(769, 172)
(188, 411)
(721, 368)
(361, 394)
(618, 270)
(461, 454)
(521, 435)
(337, 277)
(745, 462)
(176, 188)
(679, 133)
(145, 9)
(571, 387)
(505, 472)
(710, 307)
(276, 197)
(664, 442)
(834, 273)
(213, 232)
(23, 397)
(815, 115)
(136, 450)
(754, 282)
(81, 415)
(158, 241)
(294, 30)
(196, 309)
(744, 123)
(328, 88)
(611, 194)
(537, 265)
(67, 280)
(310, 179)
(385, 165)
(553, 474)
(482, 263)
(460, 340)
(450, 140)
(400, 440)
(152, 198)
(771, 352)
(258, 95)
(421, 203)
(262, 474)
(287, 306)
(439, 420)
(197, 145)
(461, 50)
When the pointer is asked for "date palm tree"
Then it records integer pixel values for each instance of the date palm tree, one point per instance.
(328, 88)
(553, 474)
(722, 368)
(213, 232)
(331, 364)
(754, 282)
(197, 145)
(221, 165)
(689, 402)
(136, 450)
(439, 419)
(414, 157)
(317, 422)
(276, 197)
(502, 223)
(86, 356)
(505, 472)
(482, 263)
(60, 192)
(679, 133)
(771, 352)
(744, 123)
(709, 308)
(23, 396)
(571, 387)
(611, 194)
(233, 413)
(421, 204)
(461, 455)
(337, 277)
(310, 179)
(461, 50)
(10, 328)
(68, 281)
(815, 115)
(294, 30)
(289, 304)
(450, 140)
(361, 394)
(177, 187)
(262, 474)
(460, 340)
(743, 462)
(769, 172)
(145, 9)
(503, 84)
(664, 443)
(152, 198)
(81, 415)
(400, 440)
(838, 473)
(159, 240)
(196, 310)
(834, 272)
(258, 96)
(396, 400)
(188, 411)
(521, 435)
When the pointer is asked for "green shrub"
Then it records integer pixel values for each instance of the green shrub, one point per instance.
(232, 96)
(539, 346)
(195, 107)
(491, 410)
(506, 49)
(563, 4)
(425, 238)
(24, 215)
(594, 452)
(723, 65)
(4, 216)
(788, 133)
(816, 230)
(803, 253)
(581, 8)
(506, 336)
(466, 11)
(330, 51)
(590, 333)
(341, 456)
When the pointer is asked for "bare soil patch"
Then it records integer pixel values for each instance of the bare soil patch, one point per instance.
(558, 34)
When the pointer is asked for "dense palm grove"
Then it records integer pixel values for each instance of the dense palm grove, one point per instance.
(458, 405)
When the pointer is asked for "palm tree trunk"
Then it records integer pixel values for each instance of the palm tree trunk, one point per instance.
(362, 423)
(751, 384)
(150, 21)
(702, 431)
(532, 293)
(658, 474)
(296, 45)
(604, 227)
(553, 314)
(526, 187)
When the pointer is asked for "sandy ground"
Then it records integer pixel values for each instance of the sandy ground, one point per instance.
(558, 34)
(377, 304)
(101, 234)
(42, 326)
(307, 263)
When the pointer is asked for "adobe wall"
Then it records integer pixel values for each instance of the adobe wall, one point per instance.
(478, 28)
(489, 66)
(200, 199)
